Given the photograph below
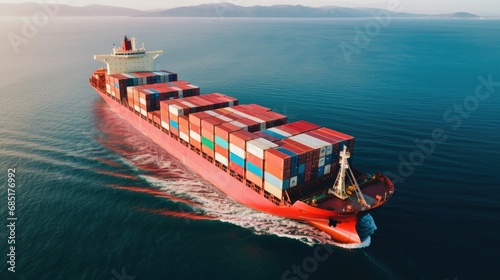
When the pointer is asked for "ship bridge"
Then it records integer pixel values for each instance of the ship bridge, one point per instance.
(129, 58)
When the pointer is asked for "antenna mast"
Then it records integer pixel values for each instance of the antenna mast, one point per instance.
(339, 187)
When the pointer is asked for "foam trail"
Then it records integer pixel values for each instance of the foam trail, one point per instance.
(178, 214)
(156, 193)
(216, 204)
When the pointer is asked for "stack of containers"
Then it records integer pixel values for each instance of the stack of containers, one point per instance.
(267, 136)
(301, 172)
(171, 110)
(340, 140)
(259, 115)
(346, 139)
(222, 133)
(116, 84)
(320, 150)
(237, 150)
(247, 124)
(156, 117)
(184, 128)
(302, 166)
(278, 165)
(195, 126)
(146, 98)
(208, 126)
(255, 150)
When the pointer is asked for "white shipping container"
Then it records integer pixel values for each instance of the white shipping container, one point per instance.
(190, 105)
(183, 136)
(238, 124)
(322, 151)
(220, 158)
(273, 190)
(321, 161)
(212, 113)
(195, 136)
(237, 151)
(328, 169)
(165, 125)
(176, 110)
(257, 147)
(312, 142)
(329, 150)
(280, 132)
(226, 119)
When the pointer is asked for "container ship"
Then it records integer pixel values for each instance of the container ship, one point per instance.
(297, 170)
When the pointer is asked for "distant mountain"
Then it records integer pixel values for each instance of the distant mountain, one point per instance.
(212, 10)
(276, 11)
(458, 15)
(30, 9)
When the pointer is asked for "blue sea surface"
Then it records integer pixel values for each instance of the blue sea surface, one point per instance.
(95, 199)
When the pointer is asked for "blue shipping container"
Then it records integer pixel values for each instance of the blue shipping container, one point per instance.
(321, 171)
(302, 168)
(236, 159)
(221, 142)
(283, 185)
(255, 169)
(174, 124)
(294, 159)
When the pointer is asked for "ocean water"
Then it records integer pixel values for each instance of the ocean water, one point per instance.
(95, 199)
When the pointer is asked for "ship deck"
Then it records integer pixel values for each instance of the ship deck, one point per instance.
(373, 191)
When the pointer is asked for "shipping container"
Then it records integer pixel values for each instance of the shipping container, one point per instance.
(117, 83)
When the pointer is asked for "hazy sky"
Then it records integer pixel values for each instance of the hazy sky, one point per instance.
(481, 7)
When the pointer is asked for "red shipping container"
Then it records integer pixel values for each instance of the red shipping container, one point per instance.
(237, 169)
(194, 128)
(222, 151)
(278, 159)
(251, 125)
(195, 118)
(327, 138)
(255, 160)
(223, 130)
(307, 152)
(304, 125)
(157, 117)
(277, 172)
(195, 143)
(184, 124)
(207, 134)
(240, 138)
(345, 137)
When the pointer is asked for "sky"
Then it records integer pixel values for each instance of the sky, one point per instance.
(480, 7)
